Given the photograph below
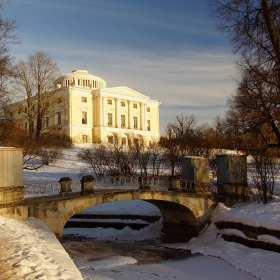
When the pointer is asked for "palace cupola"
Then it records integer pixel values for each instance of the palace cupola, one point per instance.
(80, 78)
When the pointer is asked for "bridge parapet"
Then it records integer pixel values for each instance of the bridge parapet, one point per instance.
(128, 182)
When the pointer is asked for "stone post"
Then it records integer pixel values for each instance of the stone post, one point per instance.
(196, 169)
(65, 185)
(232, 178)
(174, 183)
(11, 175)
(87, 184)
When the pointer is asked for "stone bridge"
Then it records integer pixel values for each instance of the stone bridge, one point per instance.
(184, 214)
(186, 204)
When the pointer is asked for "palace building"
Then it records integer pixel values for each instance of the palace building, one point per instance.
(82, 107)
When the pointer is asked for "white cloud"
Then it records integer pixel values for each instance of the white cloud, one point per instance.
(187, 81)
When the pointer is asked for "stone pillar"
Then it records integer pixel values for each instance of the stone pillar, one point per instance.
(65, 185)
(232, 178)
(196, 169)
(11, 175)
(87, 184)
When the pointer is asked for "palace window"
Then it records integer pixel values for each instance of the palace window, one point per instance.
(25, 125)
(148, 125)
(148, 109)
(11, 114)
(135, 105)
(135, 122)
(19, 111)
(58, 118)
(122, 120)
(122, 103)
(59, 100)
(123, 141)
(25, 110)
(67, 83)
(109, 101)
(84, 117)
(84, 99)
(110, 119)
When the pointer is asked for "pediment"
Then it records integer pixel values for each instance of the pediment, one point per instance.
(125, 92)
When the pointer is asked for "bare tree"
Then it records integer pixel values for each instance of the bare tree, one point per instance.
(253, 29)
(171, 152)
(179, 141)
(35, 78)
(157, 160)
(95, 158)
(7, 38)
(266, 167)
(253, 116)
(255, 108)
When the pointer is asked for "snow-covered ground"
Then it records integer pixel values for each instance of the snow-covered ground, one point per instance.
(28, 250)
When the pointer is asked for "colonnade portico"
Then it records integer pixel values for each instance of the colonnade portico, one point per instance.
(129, 123)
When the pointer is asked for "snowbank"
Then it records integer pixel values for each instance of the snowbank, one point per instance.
(29, 250)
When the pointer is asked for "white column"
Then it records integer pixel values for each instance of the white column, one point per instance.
(100, 110)
(130, 121)
(117, 106)
(142, 117)
(145, 116)
(105, 121)
(93, 106)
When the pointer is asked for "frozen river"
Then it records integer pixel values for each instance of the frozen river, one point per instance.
(146, 259)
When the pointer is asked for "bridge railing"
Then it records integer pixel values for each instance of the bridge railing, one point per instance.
(129, 182)
(117, 182)
(50, 188)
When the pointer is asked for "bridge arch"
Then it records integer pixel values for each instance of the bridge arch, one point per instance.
(184, 215)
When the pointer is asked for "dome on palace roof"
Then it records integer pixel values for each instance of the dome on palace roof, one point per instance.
(81, 78)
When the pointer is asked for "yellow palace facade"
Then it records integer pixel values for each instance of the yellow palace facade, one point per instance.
(89, 112)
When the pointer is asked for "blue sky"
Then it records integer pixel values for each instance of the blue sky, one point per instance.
(168, 50)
